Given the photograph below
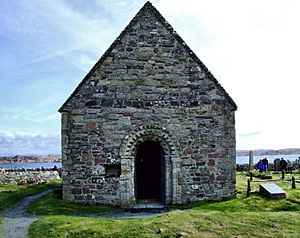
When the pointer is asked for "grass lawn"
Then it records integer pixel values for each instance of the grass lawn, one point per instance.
(51, 204)
(10, 194)
(191, 223)
(242, 216)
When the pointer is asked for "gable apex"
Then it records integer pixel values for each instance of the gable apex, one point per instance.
(148, 7)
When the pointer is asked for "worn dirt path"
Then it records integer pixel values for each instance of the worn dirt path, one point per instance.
(17, 220)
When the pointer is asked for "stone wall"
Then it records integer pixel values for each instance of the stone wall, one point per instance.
(148, 86)
(23, 177)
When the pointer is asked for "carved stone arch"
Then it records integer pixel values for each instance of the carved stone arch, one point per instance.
(128, 152)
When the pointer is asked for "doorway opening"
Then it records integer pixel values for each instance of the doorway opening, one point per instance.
(150, 172)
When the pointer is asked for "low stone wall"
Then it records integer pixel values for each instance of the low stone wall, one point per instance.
(24, 177)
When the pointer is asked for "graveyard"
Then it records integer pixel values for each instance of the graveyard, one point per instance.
(243, 216)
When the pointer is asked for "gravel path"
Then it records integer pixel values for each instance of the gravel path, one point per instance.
(17, 220)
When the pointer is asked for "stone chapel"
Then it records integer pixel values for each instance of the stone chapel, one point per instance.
(149, 122)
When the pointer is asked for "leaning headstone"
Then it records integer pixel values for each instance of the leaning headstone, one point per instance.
(277, 166)
(272, 191)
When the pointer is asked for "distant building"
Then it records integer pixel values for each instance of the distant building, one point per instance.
(148, 122)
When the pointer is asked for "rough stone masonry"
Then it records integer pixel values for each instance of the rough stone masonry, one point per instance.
(149, 121)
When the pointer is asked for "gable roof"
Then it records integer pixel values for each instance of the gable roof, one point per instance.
(149, 7)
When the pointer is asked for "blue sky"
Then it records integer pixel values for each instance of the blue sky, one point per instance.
(48, 46)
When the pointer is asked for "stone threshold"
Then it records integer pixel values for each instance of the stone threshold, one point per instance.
(148, 204)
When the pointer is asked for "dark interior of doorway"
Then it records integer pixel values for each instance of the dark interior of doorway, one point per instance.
(149, 176)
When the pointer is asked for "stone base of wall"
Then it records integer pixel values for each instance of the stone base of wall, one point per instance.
(24, 177)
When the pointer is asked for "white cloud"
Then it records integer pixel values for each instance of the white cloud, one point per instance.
(40, 112)
(14, 143)
(252, 48)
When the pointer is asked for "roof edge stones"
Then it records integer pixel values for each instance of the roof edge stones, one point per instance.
(149, 6)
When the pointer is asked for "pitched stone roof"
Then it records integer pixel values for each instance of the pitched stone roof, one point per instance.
(149, 7)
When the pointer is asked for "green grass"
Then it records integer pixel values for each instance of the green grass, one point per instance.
(243, 216)
(51, 204)
(255, 202)
(268, 175)
(10, 194)
(191, 222)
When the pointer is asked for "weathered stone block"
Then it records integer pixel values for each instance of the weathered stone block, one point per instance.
(187, 162)
(127, 114)
(200, 163)
(100, 160)
(86, 157)
(76, 191)
(211, 162)
(91, 125)
(215, 155)
(85, 190)
(221, 178)
(188, 150)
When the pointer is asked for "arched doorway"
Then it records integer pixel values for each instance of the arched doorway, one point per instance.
(170, 164)
(150, 172)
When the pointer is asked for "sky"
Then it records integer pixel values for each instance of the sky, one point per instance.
(48, 46)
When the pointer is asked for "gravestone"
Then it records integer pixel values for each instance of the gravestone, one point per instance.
(272, 191)
(277, 166)
(250, 160)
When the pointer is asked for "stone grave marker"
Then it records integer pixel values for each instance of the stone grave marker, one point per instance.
(272, 191)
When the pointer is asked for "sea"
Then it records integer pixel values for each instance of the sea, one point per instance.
(30, 165)
(239, 160)
(271, 158)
